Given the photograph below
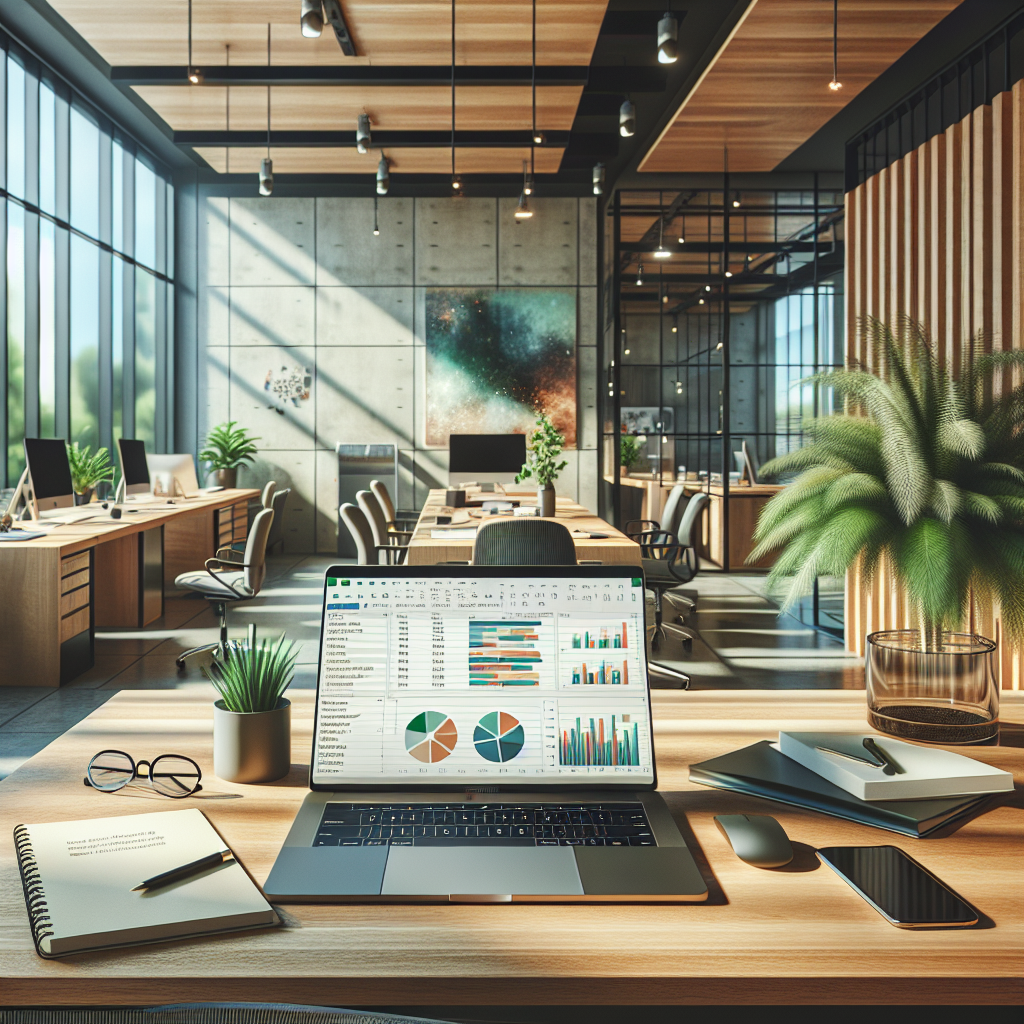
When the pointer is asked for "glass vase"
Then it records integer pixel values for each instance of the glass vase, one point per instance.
(943, 691)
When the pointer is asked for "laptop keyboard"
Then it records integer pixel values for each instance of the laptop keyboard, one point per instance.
(605, 824)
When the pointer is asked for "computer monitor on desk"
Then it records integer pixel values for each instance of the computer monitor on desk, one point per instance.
(49, 477)
(174, 474)
(134, 469)
(485, 458)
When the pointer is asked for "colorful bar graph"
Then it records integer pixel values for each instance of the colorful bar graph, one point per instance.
(601, 639)
(603, 744)
(603, 673)
(504, 653)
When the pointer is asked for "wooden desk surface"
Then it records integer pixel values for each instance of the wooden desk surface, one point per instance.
(425, 549)
(79, 536)
(784, 937)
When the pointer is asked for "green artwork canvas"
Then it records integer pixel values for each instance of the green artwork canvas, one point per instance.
(498, 356)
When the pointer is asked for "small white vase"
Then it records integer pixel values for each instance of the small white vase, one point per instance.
(546, 501)
(252, 747)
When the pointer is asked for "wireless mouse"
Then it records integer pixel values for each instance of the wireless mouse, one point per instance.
(757, 839)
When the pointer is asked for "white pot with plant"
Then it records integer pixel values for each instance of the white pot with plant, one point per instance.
(227, 447)
(252, 720)
(925, 475)
(87, 470)
(543, 447)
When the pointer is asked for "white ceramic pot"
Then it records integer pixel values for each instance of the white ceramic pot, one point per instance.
(254, 747)
(546, 501)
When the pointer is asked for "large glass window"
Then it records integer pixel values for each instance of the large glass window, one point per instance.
(99, 339)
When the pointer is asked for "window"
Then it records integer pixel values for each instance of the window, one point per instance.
(93, 365)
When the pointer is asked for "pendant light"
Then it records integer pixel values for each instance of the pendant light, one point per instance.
(456, 180)
(668, 39)
(195, 76)
(523, 211)
(598, 178)
(376, 226)
(640, 273)
(267, 166)
(627, 119)
(227, 110)
(835, 85)
(527, 179)
(363, 137)
(538, 136)
(311, 18)
(661, 252)
(383, 178)
(682, 230)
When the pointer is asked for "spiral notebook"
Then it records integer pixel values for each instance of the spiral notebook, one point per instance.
(78, 877)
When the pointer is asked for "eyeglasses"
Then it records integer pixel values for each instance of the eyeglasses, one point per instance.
(172, 775)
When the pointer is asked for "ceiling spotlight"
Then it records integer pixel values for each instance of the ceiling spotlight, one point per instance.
(707, 287)
(376, 225)
(195, 76)
(266, 176)
(627, 119)
(527, 179)
(835, 85)
(598, 178)
(363, 139)
(539, 138)
(736, 200)
(311, 20)
(675, 328)
(661, 253)
(456, 182)
(700, 302)
(640, 274)
(523, 211)
(668, 39)
(383, 176)
(682, 240)
(625, 351)
(664, 298)
(728, 273)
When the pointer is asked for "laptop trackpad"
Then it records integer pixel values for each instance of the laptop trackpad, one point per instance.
(481, 871)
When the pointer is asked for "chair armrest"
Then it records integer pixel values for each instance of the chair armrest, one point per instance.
(399, 538)
(230, 555)
(652, 523)
(210, 563)
(404, 524)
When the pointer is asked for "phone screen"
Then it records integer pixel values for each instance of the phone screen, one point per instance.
(899, 888)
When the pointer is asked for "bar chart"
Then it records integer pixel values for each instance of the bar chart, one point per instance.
(600, 673)
(607, 740)
(504, 653)
(601, 637)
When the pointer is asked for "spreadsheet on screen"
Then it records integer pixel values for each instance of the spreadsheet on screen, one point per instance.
(476, 681)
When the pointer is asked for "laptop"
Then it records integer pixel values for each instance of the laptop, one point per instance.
(483, 735)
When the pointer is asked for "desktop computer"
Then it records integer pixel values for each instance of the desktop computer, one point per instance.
(173, 475)
(134, 469)
(485, 458)
(46, 485)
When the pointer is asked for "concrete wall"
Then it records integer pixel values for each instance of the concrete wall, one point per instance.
(302, 284)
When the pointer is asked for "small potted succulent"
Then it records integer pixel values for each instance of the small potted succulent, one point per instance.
(252, 720)
(87, 470)
(544, 446)
(227, 447)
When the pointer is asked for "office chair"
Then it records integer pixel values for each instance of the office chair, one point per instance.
(276, 538)
(368, 552)
(403, 519)
(238, 582)
(267, 497)
(375, 516)
(670, 559)
(523, 542)
(669, 516)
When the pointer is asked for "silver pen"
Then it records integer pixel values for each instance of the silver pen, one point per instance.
(849, 757)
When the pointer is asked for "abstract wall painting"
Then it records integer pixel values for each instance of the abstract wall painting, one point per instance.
(496, 357)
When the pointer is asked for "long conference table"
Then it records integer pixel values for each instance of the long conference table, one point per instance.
(796, 935)
(432, 543)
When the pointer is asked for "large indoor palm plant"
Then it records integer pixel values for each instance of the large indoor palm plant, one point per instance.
(924, 473)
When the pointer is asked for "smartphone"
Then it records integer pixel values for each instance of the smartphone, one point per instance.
(904, 892)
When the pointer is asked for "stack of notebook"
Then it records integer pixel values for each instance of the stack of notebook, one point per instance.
(912, 790)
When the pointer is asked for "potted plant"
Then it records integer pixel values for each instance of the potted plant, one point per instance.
(923, 474)
(227, 447)
(87, 470)
(252, 720)
(629, 452)
(543, 446)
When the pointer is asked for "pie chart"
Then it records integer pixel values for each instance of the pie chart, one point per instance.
(498, 736)
(431, 736)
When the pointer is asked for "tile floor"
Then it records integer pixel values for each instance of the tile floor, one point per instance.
(741, 641)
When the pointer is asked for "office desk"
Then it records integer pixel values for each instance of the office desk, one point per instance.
(426, 549)
(786, 936)
(105, 573)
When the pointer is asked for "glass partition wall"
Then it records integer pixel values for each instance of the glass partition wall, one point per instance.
(717, 304)
(87, 223)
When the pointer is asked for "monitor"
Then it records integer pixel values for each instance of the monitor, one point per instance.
(482, 676)
(173, 474)
(50, 475)
(485, 458)
(746, 463)
(134, 469)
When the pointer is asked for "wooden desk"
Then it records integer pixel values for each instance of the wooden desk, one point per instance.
(105, 572)
(745, 503)
(787, 936)
(425, 549)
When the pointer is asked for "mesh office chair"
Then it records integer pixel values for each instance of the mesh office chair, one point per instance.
(670, 515)
(225, 581)
(402, 520)
(523, 542)
(382, 536)
(368, 552)
(670, 559)
(275, 540)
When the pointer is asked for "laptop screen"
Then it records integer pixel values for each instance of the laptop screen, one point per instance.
(472, 676)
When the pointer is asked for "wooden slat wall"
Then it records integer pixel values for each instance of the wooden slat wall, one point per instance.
(940, 235)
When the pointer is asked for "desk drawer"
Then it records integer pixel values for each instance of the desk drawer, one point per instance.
(75, 623)
(74, 563)
(74, 581)
(74, 600)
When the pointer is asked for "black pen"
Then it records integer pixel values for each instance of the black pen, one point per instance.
(892, 767)
(185, 871)
(850, 757)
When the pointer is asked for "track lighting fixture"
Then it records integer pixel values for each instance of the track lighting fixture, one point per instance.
(627, 119)
(456, 180)
(523, 211)
(707, 287)
(640, 274)
(311, 18)
(266, 165)
(383, 176)
(664, 298)
(728, 273)
(195, 76)
(363, 139)
(527, 179)
(598, 178)
(668, 39)
(675, 326)
(835, 85)
(539, 138)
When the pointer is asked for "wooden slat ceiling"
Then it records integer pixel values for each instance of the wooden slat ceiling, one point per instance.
(400, 32)
(767, 91)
